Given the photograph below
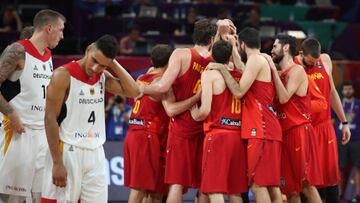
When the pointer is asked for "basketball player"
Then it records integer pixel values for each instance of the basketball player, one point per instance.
(75, 123)
(185, 138)
(26, 69)
(260, 125)
(223, 146)
(319, 67)
(299, 157)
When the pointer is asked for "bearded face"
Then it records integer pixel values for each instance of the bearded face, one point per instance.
(278, 56)
(277, 52)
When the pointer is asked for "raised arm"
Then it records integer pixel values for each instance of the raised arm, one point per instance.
(173, 107)
(12, 59)
(335, 102)
(55, 98)
(253, 68)
(203, 111)
(124, 84)
(171, 73)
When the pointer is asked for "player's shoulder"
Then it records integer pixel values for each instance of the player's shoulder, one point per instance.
(181, 51)
(61, 72)
(325, 58)
(257, 58)
(14, 49)
(209, 75)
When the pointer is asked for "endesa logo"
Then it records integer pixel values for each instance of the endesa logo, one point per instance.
(115, 170)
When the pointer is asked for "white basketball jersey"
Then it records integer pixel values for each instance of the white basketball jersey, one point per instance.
(84, 122)
(25, 90)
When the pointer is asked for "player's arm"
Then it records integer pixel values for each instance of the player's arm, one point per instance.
(296, 77)
(171, 73)
(335, 102)
(12, 59)
(318, 101)
(55, 97)
(173, 107)
(250, 73)
(124, 84)
(203, 111)
(235, 53)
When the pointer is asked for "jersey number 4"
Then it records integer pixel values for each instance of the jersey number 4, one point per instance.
(91, 118)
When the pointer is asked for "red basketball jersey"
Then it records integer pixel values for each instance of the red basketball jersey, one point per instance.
(148, 114)
(184, 87)
(296, 111)
(259, 118)
(321, 78)
(225, 110)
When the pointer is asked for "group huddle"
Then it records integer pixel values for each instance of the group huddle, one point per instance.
(235, 119)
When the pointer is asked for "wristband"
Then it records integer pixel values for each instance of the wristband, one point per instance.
(345, 123)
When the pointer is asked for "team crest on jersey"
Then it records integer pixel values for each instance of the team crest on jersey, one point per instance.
(81, 93)
(92, 91)
(319, 66)
(51, 67)
(44, 67)
(101, 87)
(35, 67)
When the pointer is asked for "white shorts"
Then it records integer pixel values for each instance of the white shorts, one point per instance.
(86, 177)
(22, 160)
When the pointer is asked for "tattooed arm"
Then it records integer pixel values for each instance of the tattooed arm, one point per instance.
(12, 59)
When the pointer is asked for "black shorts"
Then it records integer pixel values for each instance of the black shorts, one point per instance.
(349, 152)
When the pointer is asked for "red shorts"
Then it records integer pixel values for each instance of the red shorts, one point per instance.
(264, 162)
(161, 188)
(328, 152)
(224, 163)
(183, 160)
(142, 159)
(299, 161)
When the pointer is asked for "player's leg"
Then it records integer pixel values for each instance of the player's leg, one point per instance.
(175, 194)
(275, 194)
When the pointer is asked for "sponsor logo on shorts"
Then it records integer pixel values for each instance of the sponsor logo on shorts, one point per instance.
(330, 141)
(37, 108)
(135, 121)
(15, 188)
(297, 149)
(230, 122)
(253, 132)
(282, 182)
(87, 135)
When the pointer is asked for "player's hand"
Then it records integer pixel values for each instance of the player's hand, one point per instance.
(198, 93)
(59, 175)
(346, 134)
(215, 66)
(231, 39)
(194, 111)
(141, 91)
(270, 61)
(15, 123)
(223, 27)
